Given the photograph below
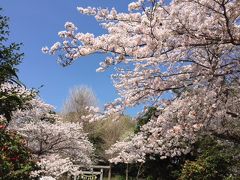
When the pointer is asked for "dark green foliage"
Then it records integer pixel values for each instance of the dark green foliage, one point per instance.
(9, 59)
(9, 54)
(166, 169)
(144, 118)
(15, 159)
(215, 159)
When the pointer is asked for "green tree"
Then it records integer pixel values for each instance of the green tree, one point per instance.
(214, 159)
(10, 57)
(143, 119)
(15, 159)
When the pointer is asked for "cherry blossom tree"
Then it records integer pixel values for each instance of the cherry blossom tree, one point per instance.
(28, 125)
(57, 145)
(172, 131)
(181, 57)
(66, 139)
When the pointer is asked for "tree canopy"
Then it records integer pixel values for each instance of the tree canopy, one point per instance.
(181, 57)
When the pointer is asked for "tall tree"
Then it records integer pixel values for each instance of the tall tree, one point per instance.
(159, 48)
(15, 159)
(11, 95)
(76, 104)
(57, 145)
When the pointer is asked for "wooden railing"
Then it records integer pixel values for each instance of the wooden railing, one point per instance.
(91, 173)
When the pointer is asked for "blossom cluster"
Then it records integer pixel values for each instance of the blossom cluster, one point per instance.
(11, 89)
(172, 130)
(170, 46)
(53, 165)
(181, 57)
(56, 144)
(66, 139)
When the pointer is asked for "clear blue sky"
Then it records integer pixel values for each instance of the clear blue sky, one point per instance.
(36, 23)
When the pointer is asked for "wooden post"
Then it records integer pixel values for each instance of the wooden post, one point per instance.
(127, 172)
(110, 171)
(101, 175)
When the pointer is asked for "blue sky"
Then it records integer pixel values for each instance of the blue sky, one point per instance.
(36, 24)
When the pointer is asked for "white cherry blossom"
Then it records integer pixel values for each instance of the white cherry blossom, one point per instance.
(181, 57)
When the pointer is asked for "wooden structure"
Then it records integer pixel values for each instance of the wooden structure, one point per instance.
(91, 172)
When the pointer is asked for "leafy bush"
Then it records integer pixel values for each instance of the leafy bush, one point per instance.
(216, 160)
(15, 160)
